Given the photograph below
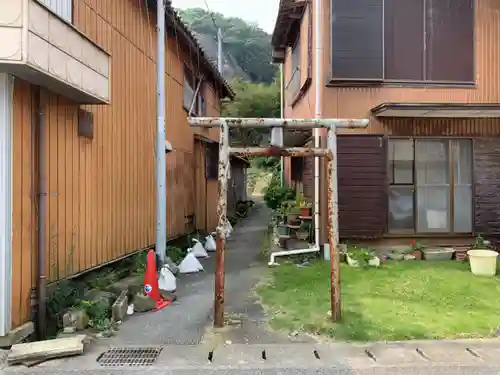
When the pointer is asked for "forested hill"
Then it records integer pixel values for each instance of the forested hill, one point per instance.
(246, 47)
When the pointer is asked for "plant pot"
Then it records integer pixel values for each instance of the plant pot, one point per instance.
(301, 236)
(283, 242)
(292, 218)
(461, 255)
(483, 262)
(351, 262)
(305, 211)
(400, 249)
(395, 256)
(438, 253)
(374, 262)
(417, 254)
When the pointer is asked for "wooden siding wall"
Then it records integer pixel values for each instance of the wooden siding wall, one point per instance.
(101, 191)
(200, 186)
(486, 187)
(24, 236)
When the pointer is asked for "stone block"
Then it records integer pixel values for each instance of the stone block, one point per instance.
(119, 308)
(76, 318)
(143, 303)
(105, 298)
(17, 335)
(133, 284)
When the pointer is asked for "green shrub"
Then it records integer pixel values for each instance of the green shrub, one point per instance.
(276, 194)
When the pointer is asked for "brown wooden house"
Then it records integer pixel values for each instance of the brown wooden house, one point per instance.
(78, 116)
(426, 74)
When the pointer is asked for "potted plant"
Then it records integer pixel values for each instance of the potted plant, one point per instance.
(302, 233)
(416, 250)
(461, 255)
(305, 209)
(304, 206)
(398, 252)
(360, 257)
(290, 211)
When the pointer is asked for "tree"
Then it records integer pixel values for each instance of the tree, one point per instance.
(252, 100)
(247, 44)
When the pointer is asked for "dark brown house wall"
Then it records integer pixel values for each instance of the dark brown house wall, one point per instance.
(361, 168)
(236, 185)
(487, 187)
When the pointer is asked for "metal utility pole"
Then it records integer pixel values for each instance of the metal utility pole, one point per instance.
(219, 51)
(282, 115)
(161, 164)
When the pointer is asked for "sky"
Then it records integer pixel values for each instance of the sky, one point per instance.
(261, 12)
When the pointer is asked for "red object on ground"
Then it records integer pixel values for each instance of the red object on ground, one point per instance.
(151, 287)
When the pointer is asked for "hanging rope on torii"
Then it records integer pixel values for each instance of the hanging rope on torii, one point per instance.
(276, 125)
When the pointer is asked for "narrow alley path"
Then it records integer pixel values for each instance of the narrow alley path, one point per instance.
(184, 322)
(190, 317)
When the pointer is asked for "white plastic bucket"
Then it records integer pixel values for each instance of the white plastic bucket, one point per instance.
(483, 262)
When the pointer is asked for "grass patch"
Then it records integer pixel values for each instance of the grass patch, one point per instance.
(400, 301)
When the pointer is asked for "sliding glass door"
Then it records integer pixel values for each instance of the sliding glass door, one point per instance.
(401, 186)
(432, 175)
(462, 186)
(430, 186)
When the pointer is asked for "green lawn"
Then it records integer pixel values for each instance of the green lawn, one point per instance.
(399, 301)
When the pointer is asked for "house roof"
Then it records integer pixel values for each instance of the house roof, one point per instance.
(189, 40)
(437, 110)
(289, 15)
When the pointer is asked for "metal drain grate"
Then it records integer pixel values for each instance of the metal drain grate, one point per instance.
(129, 357)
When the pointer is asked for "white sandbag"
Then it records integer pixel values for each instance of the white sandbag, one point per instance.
(198, 249)
(130, 309)
(167, 281)
(228, 229)
(190, 264)
(210, 243)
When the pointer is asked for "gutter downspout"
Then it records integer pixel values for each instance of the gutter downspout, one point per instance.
(317, 114)
(42, 209)
(318, 79)
(6, 162)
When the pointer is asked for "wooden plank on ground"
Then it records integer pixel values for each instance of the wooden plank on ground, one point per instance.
(44, 350)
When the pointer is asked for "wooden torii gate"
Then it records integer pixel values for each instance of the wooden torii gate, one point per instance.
(224, 124)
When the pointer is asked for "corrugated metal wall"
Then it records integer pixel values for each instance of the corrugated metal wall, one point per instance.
(101, 191)
(23, 204)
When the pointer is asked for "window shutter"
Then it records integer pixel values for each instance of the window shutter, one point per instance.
(449, 45)
(404, 39)
(357, 45)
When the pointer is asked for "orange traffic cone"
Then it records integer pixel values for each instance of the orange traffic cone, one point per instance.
(151, 283)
